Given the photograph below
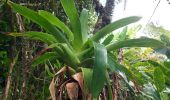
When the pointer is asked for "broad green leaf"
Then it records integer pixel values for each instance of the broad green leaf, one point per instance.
(99, 69)
(159, 79)
(43, 58)
(84, 24)
(141, 42)
(112, 65)
(87, 75)
(69, 56)
(113, 26)
(108, 39)
(71, 12)
(44, 37)
(55, 21)
(32, 15)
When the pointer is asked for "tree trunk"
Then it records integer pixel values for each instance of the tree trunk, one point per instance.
(104, 13)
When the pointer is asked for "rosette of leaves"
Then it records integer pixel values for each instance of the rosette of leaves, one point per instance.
(87, 61)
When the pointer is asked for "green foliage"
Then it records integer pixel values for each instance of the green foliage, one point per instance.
(113, 26)
(167, 64)
(141, 42)
(108, 39)
(55, 21)
(75, 48)
(87, 75)
(99, 69)
(43, 58)
(32, 15)
(44, 37)
(159, 79)
(71, 11)
(84, 24)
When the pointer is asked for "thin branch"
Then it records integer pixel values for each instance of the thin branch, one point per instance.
(152, 13)
(7, 88)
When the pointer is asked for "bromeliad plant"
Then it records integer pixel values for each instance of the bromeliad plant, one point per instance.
(88, 62)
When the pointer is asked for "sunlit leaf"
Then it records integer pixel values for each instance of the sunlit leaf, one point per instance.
(141, 42)
(159, 79)
(113, 26)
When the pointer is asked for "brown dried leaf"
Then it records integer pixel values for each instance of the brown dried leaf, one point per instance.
(79, 78)
(52, 90)
(72, 90)
(62, 70)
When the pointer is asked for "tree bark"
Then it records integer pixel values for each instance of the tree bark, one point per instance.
(6, 16)
(104, 13)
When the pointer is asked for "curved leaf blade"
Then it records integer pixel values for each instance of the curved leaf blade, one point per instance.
(108, 39)
(99, 69)
(43, 58)
(33, 16)
(55, 21)
(84, 24)
(44, 37)
(71, 12)
(113, 26)
(141, 42)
